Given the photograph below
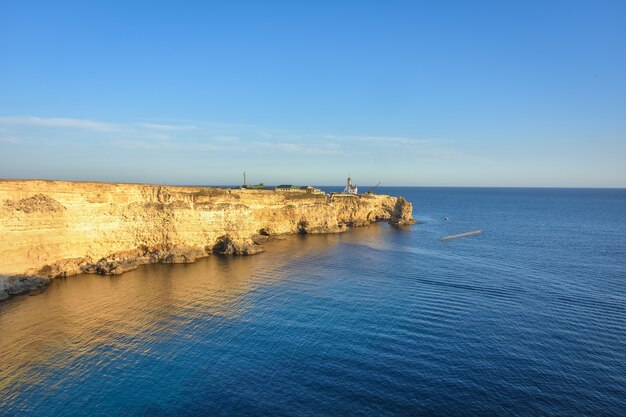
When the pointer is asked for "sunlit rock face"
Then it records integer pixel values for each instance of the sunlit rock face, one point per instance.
(58, 228)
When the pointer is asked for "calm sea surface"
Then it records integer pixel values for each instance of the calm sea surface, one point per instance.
(528, 318)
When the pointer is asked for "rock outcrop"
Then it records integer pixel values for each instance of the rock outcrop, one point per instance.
(52, 229)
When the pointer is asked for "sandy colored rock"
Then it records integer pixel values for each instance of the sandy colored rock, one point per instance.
(59, 228)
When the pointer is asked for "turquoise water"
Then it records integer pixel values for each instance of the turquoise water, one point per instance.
(528, 318)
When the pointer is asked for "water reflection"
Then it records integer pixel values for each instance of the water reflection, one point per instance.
(85, 316)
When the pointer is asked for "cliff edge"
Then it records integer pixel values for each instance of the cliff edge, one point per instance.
(52, 229)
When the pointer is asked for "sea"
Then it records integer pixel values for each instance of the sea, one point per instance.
(527, 318)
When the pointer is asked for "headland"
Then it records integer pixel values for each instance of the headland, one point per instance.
(51, 229)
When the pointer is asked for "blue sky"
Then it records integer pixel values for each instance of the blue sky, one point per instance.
(484, 93)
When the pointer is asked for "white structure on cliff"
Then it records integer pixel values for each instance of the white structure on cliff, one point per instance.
(350, 188)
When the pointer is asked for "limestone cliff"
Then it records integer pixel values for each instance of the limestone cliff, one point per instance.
(56, 228)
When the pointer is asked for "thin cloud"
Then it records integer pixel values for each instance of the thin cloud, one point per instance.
(428, 147)
(224, 137)
(272, 147)
(10, 139)
(392, 140)
(169, 127)
(136, 144)
(60, 122)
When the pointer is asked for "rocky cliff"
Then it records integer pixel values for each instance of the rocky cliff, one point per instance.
(50, 229)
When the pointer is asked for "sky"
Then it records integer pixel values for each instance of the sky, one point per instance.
(439, 93)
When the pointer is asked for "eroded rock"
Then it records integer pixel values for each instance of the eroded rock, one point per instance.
(402, 214)
(57, 229)
(20, 284)
(225, 245)
(36, 203)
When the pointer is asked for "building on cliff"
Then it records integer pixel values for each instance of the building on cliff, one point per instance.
(350, 188)
(309, 189)
(287, 187)
(259, 186)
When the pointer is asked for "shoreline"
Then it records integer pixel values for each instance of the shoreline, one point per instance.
(53, 229)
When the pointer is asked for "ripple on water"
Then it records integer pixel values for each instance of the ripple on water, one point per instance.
(377, 321)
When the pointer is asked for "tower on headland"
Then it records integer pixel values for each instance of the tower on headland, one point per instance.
(350, 188)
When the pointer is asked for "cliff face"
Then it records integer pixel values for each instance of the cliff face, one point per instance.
(56, 228)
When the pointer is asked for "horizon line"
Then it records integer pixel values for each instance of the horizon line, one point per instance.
(324, 185)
